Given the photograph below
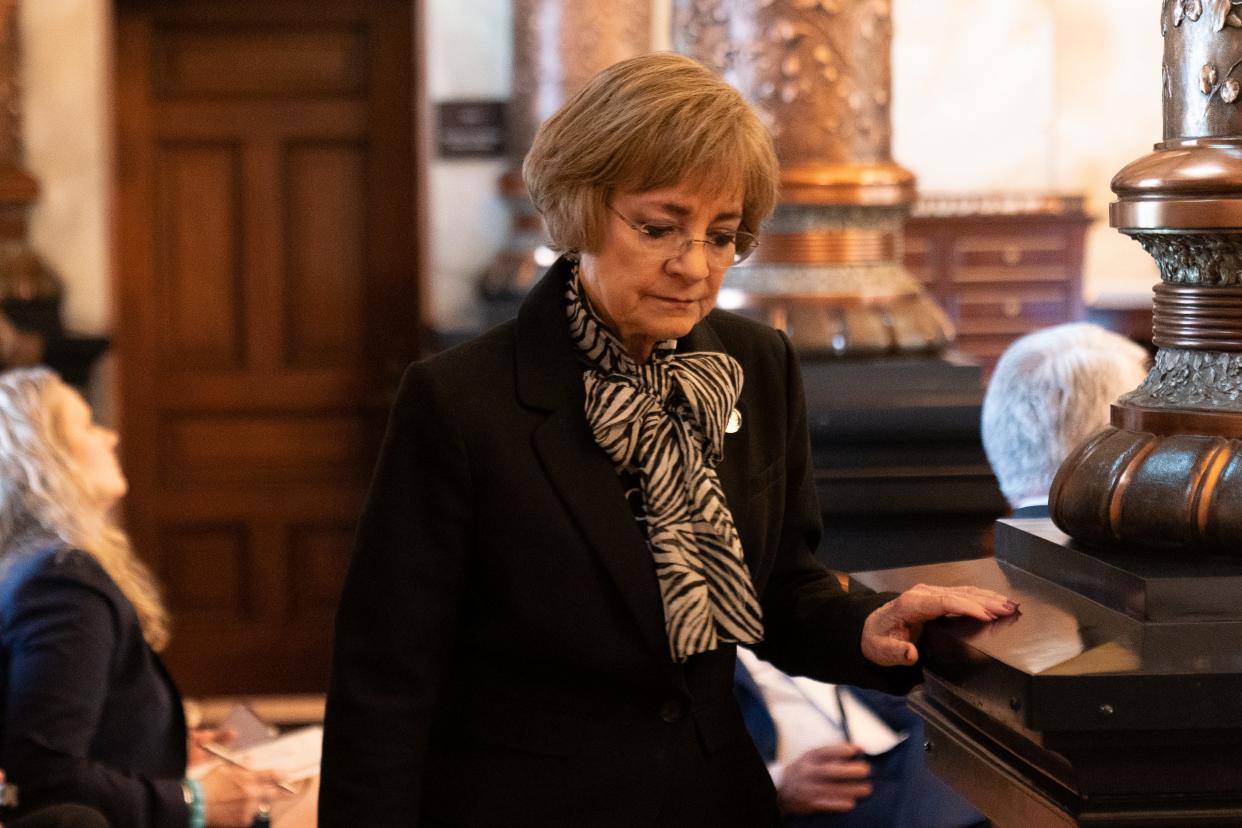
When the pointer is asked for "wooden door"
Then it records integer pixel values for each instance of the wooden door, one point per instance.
(266, 301)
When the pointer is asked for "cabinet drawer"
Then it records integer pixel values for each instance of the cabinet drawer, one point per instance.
(1010, 257)
(1010, 309)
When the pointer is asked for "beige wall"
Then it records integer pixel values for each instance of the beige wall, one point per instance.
(67, 104)
(1036, 94)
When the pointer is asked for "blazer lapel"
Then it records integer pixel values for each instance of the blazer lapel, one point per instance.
(549, 377)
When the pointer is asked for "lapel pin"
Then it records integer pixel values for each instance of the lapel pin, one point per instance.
(735, 422)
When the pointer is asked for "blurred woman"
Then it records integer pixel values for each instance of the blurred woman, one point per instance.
(90, 715)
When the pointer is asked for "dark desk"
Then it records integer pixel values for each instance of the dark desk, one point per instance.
(899, 464)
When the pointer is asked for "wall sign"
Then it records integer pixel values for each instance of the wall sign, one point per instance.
(471, 129)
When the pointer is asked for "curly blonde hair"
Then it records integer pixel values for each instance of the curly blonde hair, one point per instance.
(42, 490)
(652, 121)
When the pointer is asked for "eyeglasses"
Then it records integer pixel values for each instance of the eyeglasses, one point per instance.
(669, 241)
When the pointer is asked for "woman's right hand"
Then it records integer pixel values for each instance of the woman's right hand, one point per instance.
(889, 632)
(233, 795)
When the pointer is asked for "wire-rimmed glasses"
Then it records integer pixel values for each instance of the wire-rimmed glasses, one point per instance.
(722, 248)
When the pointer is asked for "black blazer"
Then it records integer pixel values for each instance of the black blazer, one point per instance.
(90, 715)
(500, 654)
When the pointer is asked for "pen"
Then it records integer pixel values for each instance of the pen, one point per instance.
(845, 723)
(224, 754)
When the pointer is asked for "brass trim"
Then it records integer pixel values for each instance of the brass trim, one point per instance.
(1197, 318)
(751, 299)
(837, 247)
(1174, 421)
(857, 195)
(1176, 214)
(865, 184)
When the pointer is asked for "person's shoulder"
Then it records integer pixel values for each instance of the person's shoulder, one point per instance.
(485, 346)
(727, 323)
(455, 381)
(53, 567)
(747, 340)
(473, 362)
(56, 560)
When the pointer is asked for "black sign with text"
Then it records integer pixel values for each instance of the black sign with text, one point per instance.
(471, 129)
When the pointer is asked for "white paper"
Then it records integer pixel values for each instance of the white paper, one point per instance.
(295, 755)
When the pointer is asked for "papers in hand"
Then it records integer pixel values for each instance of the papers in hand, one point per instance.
(294, 756)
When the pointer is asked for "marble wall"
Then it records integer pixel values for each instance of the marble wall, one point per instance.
(1033, 94)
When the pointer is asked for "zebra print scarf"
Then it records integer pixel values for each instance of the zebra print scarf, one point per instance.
(664, 423)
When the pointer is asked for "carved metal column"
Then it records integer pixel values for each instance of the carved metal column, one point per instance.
(1166, 477)
(828, 269)
(558, 45)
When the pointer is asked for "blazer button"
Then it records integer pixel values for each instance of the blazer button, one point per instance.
(672, 711)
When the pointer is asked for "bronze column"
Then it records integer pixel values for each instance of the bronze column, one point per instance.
(558, 45)
(829, 266)
(1166, 477)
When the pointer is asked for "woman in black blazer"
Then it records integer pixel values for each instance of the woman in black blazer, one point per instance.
(576, 516)
(89, 714)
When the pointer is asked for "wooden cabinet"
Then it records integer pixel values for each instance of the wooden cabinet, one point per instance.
(999, 275)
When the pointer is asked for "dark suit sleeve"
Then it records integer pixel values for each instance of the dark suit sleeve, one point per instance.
(61, 637)
(811, 626)
(398, 615)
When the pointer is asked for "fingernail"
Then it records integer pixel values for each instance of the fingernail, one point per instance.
(1011, 605)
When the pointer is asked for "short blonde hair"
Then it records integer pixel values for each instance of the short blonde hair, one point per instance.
(652, 121)
(43, 492)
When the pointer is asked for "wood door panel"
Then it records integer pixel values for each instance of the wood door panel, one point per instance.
(198, 229)
(325, 248)
(212, 120)
(263, 60)
(318, 558)
(207, 570)
(263, 449)
(269, 258)
(301, 505)
(211, 389)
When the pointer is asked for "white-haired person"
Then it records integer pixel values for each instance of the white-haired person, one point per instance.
(90, 717)
(1050, 391)
(577, 516)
